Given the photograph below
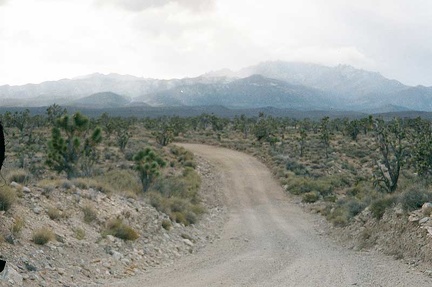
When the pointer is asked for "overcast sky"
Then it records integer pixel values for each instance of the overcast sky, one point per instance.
(52, 39)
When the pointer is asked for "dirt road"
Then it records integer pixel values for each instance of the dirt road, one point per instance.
(269, 241)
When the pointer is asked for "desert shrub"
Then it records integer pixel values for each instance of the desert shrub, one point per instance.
(54, 213)
(86, 183)
(198, 209)
(19, 176)
(17, 226)
(166, 224)
(296, 167)
(171, 186)
(414, 198)
(121, 180)
(179, 217)
(330, 198)
(338, 181)
(191, 217)
(185, 157)
(193, 183)
(66, 184)
(310, 197)
(79, 233)
(178, 205)
(117, 228)
(178, 209)
(90, 214)
(355, 191)
(155, 200)
(42, 236)
(185, 186)
(339, 216)
(379, 206)
(358, 153)
(300, 185)
(82, 183)
(190, 163)
(354, 207)
(129, 155)
(7, 198)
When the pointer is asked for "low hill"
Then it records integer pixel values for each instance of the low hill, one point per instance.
(102, 100)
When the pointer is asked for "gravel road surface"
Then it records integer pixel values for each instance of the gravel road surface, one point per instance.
(270, 241)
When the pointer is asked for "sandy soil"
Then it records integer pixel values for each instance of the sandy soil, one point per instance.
(269, 241)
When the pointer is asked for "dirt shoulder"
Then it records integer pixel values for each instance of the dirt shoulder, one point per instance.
(79, 255)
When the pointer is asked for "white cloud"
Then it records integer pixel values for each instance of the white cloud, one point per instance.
(51, 39)
(140, 5)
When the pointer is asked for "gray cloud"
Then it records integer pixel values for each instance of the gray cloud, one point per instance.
(140, 5)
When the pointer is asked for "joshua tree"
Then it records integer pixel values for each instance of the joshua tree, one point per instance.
(70, 143)
(390, 139)
(148, 165)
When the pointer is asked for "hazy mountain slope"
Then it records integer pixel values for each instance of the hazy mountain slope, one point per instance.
(280, 84)
(102, 101)
(415, 98)
(341, 80)
(250, 92)
(96, 83)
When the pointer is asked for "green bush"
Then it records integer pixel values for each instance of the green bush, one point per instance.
(414, 198)
(42, 236)
(7, 198)
(117, 228)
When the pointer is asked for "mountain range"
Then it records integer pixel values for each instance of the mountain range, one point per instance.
(287, 85)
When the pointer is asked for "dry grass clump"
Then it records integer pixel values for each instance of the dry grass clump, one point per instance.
(42, 236)
(7, 198)
(310, 197)
(179, 210)
(17, 226)
(117, 228)
(123, 181)
(54, 213)
(79, 233)
(86, 183)
(18, 175)
(90, 214)
(166, 224)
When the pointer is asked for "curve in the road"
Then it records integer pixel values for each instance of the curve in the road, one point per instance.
(269, 241)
